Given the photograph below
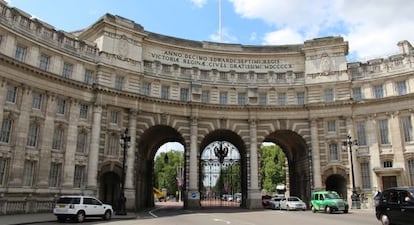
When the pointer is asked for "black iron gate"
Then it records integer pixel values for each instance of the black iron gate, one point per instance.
(220, 175)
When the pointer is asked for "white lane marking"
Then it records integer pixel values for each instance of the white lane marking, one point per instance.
(221, 220)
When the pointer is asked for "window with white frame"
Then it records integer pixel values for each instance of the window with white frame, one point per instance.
(33, 134)
(361, 134)
(241, 98)
(113, 145)
(67, 70)
(205, 96)
(44, 62)
(79, 176)
(88, 79)
(281, 98)
(184, 94)
(119, 83)
(146, 88)
(331, 126)
(11, 93)
(300, 97)
(223, 97)
(114, 117)
(262, 98)
(378, 92)
(329, 95)
(3, 170)
(57, 142)
(20, 53)
(365, 175)
(333, 152)
(383, 129)
(407, 128)
(55, 174)
(6, 129)
(82, 141)
(357, 93)
(410, 164)
(401, 87)
(29, 172)
(60, 105)
(83, 111)
(36, 100)
(165, 92)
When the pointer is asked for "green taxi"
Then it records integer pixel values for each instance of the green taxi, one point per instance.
(328, 201)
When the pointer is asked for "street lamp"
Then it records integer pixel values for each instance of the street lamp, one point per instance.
(124, 141)
(356, 204)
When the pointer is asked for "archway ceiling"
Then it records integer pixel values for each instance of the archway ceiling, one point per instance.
(155, 137)
(292, 144)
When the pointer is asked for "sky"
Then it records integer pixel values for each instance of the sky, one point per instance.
(372, 27)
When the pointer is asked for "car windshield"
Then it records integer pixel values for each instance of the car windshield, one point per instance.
(332, 196)
(293, 199)
(68, 201)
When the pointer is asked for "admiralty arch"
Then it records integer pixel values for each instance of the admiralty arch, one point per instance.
(66, 98)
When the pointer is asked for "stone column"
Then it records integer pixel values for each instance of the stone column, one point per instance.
(193, 194)
(3, 93)
(254, 195)
(94, 148)
(316, 161)
(71, 142)
(130, 161)
(21, 126)
(357, 169)
(372, 142)
(45, 144)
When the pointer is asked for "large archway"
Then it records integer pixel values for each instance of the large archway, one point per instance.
(222, 170)
(151, 140)
(336, 182)
(298, 160)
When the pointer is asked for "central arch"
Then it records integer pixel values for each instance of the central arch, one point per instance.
(299, 164)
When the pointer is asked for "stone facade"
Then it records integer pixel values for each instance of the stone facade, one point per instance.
(66, 98)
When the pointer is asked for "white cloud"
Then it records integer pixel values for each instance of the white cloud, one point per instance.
(198, 3)
(372, 27)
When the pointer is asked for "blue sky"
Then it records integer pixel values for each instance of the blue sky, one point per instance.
(372, 27)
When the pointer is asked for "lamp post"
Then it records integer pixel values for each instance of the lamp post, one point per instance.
(124, 141)
(356, 204)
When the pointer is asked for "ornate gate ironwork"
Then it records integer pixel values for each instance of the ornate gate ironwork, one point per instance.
(220, 175)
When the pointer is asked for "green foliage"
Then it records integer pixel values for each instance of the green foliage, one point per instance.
(272, 163)
(166, 171)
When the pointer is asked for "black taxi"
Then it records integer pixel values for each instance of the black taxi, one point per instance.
(396, 206)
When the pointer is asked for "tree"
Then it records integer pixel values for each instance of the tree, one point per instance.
(272, 163)
(166, 171)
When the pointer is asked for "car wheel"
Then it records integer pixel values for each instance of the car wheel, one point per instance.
(107, 215)
(313, 209)
(328, 209)
(80, 216)
(384, 220)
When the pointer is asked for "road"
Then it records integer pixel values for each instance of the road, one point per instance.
(172, 215)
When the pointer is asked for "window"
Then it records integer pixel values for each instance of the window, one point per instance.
(383, 128)
(82, 141)
(33, 134)
(6, 129)
(67, 70)
(262, 98)
(114, 117)
(223, 97)
(410, 170)
(387, 164)
(184, 94)
(329, 95)
(57, 142)
(55, 174)
(356, 93)
(333, 152)
(281, 98)
(365, 175)
(378, 92)
(113, 143)
(407, 128)
(88, 79)
(36, 100)
(165, 92)
(79, 176)
(28, 173)
(60, 106)
(3, 167)
(205, 96)
(301, 98)
(83, 111)
(119, 83)
(44, 62)
(331, 125)
(362, 139)
(146, 88)
(401, 87)
(11, 93)
(241, 98)
(20, 53)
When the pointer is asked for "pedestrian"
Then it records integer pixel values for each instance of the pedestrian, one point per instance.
(377, 197)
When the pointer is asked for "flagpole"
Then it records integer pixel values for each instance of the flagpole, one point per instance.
(220, 34)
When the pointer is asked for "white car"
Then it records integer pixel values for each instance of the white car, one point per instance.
(79, 207)
(292, 203)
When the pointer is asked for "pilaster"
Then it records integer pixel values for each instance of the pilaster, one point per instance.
(316, 161)
(254, 196)
(94, 149)
(130, 164)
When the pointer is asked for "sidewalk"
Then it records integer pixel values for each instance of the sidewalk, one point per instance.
(44, 217)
